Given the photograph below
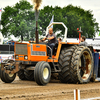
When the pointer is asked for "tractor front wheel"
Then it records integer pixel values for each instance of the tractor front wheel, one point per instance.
(29, 74)
(42, 73)
(7, 78)
(21, 74)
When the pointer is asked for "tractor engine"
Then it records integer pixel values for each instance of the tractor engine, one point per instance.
(30, 52)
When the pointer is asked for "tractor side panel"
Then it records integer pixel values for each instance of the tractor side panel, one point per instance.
(38, 52)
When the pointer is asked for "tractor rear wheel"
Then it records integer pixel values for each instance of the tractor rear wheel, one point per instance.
(42, 73)
(65, 63)
(76, 64)
(21, 74)
(81, 65)
(29, 74)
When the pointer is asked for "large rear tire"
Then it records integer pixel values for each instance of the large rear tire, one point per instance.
(81, 65)
(65, 63)
(76, 64)
(29, 74)
(42, 73)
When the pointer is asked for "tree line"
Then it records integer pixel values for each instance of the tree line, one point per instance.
(19, 20)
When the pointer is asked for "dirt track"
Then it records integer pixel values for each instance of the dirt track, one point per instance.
(29, 90)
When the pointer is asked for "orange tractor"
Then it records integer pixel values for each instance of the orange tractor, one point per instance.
(72, 63)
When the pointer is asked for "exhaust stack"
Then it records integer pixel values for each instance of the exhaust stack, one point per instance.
(37, 5)
(36, 31)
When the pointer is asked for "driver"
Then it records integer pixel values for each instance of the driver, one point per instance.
(51, 38)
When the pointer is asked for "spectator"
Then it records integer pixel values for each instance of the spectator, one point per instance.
(82, 41)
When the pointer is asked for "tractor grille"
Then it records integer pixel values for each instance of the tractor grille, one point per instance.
(39, 53)
(21, 49)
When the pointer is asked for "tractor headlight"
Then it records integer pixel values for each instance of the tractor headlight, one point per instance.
(25, 57)
(16, 57)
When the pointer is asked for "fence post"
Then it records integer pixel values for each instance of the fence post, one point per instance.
(76, 94)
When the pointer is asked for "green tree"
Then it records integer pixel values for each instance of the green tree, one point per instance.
(18, 20)
(78, 17)
(72, 17)
(46, 15)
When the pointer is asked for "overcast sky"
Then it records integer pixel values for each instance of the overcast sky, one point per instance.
(93, 5)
